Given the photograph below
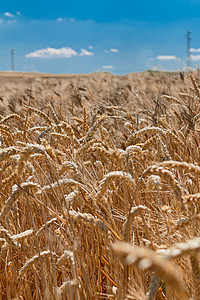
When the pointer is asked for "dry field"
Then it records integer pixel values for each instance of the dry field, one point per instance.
(99, 186)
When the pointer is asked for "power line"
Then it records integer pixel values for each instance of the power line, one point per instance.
(188, 49)
(12, 60)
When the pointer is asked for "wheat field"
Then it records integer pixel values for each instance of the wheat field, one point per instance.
(100, 199)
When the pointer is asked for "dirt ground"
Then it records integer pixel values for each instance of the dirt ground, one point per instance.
(69, 93)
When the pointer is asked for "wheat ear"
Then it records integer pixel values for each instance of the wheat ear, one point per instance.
(178, 250)
(116, 175)
(148, 260)
(34, 260)
(40, 113)
(12, 116)
(17, 190)
(87, 219)
(196, 88)
(171, 180)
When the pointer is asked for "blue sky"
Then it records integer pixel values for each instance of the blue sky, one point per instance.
(118, 36)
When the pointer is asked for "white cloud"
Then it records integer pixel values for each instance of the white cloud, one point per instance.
(114, 50)
(107, 67)
(9, 15)
(18, 13)
(85, 52)
(64, 52)
(61, 19)
(194, 50)
(166, 57)
(195, 57)
(90, 47)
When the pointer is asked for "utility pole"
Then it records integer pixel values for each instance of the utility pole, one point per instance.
(12, 59)
(188, 49)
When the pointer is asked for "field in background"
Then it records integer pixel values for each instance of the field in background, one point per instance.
(136, 90)
(99, 186)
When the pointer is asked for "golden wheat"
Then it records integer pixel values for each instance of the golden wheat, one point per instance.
(79, 176)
